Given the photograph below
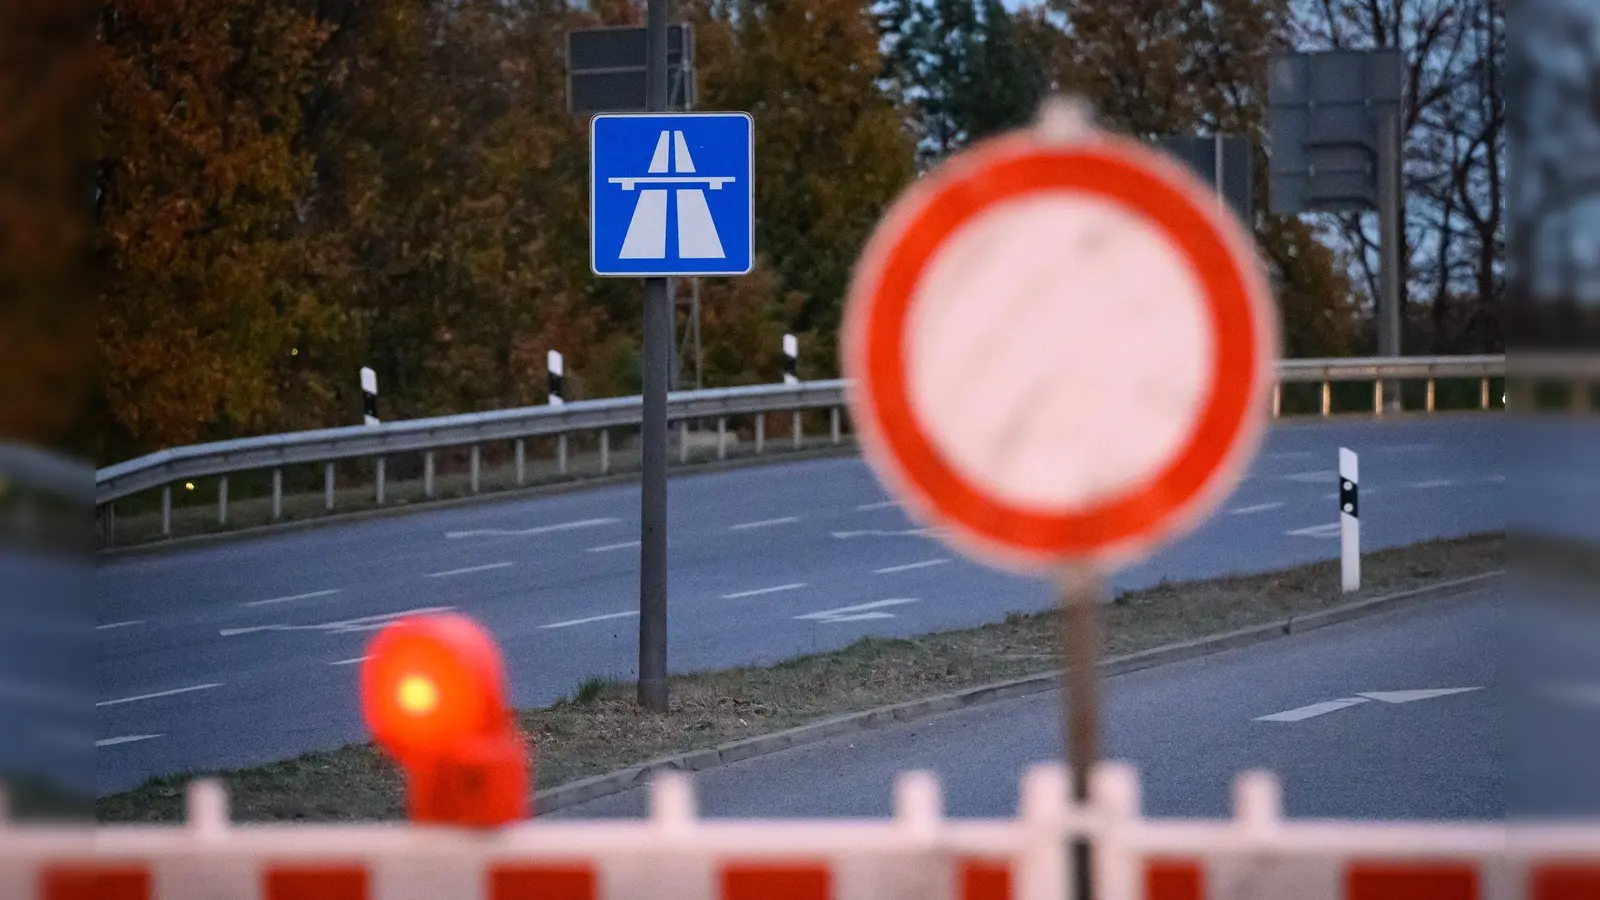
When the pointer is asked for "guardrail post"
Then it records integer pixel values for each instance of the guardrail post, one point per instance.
(166, 510)
(833, 423)
(427, 474)
(475, 457)
(1377, 396)
(111, 524)
(1327, 398)
(605, 451)
(1483, 394)
(798, 436)
(1580, 397)
(380, 481)
(277, 494)
(722, 437)
(561, 453)
(327, 486)
(1277, 400)
(222, 500)
(521, 455)
(683, 441)
(761, 431)
(1430, 395)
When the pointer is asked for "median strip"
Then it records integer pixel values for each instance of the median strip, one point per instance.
(719, 717)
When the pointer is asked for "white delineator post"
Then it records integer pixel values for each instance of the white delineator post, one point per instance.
(791, 376)
(558, 371)
(1349, 521)
(791, 359)
(369, 395)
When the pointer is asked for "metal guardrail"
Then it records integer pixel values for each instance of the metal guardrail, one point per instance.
(326, 446)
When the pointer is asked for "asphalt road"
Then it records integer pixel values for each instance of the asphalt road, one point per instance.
(244, 652)
(1190, 727)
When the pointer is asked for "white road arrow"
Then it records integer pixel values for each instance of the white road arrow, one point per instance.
(1409, 696)
(858, 613)
(343, 626)
(1327, 706)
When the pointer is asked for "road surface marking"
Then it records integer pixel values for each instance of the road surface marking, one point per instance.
(858, 612)
(770, 590)
(607, 548)
(470, 569)
(1312, 711)
(1409, 696)
(909, 566)
(882, 504)
(292, 597)
(538, 529)
(1316, 477)
(183, 690)
(1330, 530)
(110, 625)
(124, 739)
(744, 526)
(1259, 507)
(350, 662)
(1435, 483)
(875, 533)
(342, 626)
(570, 622)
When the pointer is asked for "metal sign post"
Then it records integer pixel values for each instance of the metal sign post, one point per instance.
(670, 196)
(658, 314)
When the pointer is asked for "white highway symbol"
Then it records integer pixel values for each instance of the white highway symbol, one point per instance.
(647, 230)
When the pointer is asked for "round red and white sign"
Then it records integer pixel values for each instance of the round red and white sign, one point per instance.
(1061, 348)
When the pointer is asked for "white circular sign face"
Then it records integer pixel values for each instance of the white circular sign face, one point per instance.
(1058, 350)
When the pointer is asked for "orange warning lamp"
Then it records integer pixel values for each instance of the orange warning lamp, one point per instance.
(433, 694)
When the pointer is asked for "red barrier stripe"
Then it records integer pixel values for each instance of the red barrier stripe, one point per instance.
(776, 882)
(1174, 879)
(315, 883)
(979, 880)
(1411, 881)
(94, 883)
(1565, 881)
(542, 883)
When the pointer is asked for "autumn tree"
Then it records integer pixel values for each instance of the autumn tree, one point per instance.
(961, 66)
(831, 153)
(206, 275)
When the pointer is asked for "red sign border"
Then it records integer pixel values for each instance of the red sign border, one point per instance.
(1241, 315)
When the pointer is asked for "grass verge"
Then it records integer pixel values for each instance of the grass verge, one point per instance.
(602, 729)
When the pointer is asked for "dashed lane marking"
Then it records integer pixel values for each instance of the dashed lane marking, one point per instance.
(571, 622)
(156, 694)
(764, 523)
(124, 739)
(909, 566)
(293, 597)
(110, 625)
(1259, 507)
(767, 590)
(607, 548)
(538, 529)
(470, 569)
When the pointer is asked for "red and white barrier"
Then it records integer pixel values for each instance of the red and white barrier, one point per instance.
(916, 855)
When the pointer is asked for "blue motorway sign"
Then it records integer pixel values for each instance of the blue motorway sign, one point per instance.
(671, 194)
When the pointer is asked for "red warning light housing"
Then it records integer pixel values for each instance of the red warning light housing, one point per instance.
(433, 694)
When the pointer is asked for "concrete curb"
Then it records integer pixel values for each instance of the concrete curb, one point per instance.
(597, 786)
(548, 489)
